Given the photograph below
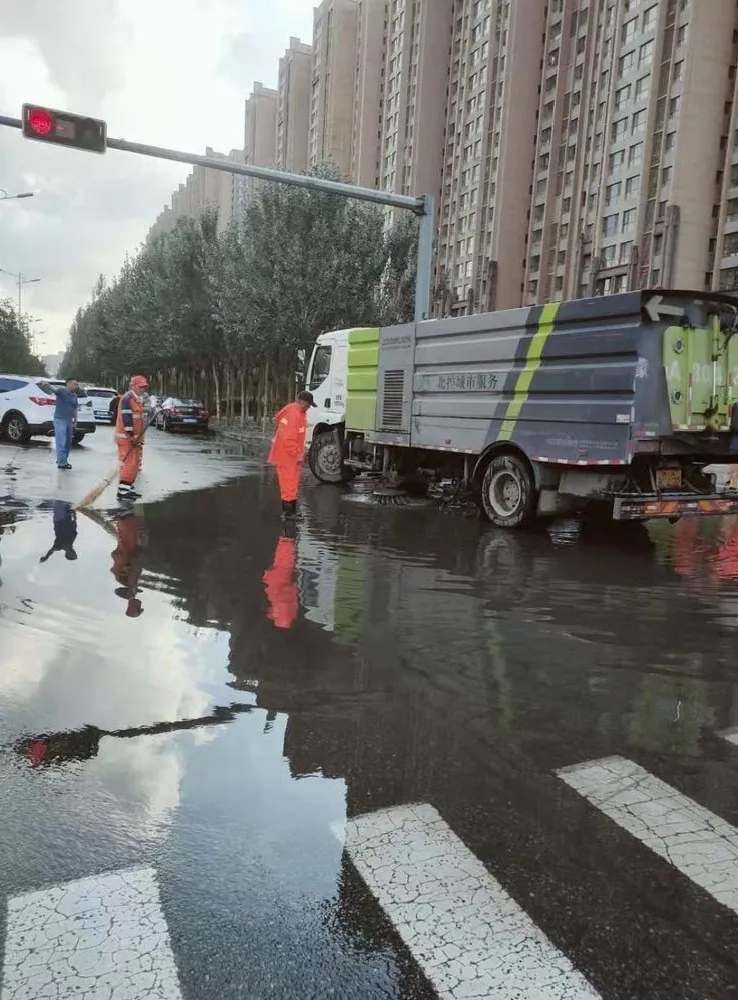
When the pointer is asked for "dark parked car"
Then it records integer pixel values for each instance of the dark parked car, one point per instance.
(182, 413)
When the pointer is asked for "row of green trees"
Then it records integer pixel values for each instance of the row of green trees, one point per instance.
(16, 354)
(223, 316)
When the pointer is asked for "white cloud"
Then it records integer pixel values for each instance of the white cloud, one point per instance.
(168, 75)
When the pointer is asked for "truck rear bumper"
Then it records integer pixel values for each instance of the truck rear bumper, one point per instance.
(634, 507)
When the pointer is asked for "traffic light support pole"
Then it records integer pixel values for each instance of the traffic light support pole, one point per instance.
(421, 205)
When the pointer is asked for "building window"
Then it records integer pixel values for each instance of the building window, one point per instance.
(639, 122)
(635, 154)
(645, 54)
(682, 34)
(631, 187)
(612, 192)
(649, 18)
(678, 72)
(670, 141)
(609, 255)
(674, 106)
(666, 175)
(626, 63)
(615, 162)
(622, 97)
(628, 31)
(619, 129)
(629, 220)
(642, 86)
(625, 249)
(610, 225)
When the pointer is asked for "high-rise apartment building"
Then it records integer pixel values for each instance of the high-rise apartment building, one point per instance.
(204, 189)
(260, 138)
(293, 107)
(335, 32)
(490, 125)
(631, 149)
(415, 76)
(366, 131)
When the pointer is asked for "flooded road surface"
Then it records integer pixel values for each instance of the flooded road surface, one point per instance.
(392, 754)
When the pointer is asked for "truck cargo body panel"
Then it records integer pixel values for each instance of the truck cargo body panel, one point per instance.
(578, 382)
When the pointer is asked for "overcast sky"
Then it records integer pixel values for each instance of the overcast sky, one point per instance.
(169, 74)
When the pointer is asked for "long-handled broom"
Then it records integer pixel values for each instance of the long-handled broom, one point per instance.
(91, 497)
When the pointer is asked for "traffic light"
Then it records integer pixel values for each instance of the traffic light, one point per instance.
(64, 129)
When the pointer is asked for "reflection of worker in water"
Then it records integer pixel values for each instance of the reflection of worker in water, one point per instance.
(280, 583)
(65, 531)
(127, 562)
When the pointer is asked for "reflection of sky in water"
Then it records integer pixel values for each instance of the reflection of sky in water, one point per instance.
(70, 657)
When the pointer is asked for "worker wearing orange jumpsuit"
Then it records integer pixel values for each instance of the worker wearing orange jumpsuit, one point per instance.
(128, 563)
(129, 428)
(280, 584)
(288, 450)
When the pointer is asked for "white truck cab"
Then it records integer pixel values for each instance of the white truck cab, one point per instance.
(326, 379)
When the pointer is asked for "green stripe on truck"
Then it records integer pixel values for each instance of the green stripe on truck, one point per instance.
(532, 364)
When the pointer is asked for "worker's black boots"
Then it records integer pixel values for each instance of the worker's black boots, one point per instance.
(289, 510)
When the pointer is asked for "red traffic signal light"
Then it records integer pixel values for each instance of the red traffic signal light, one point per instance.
(64, 129)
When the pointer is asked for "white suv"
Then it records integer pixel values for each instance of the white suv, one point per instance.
(27, 404)
(101, 400)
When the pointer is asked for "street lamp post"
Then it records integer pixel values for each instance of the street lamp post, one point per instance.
(21, 282)
(4, 196)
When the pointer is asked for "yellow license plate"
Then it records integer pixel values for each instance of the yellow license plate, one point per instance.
(669, 479)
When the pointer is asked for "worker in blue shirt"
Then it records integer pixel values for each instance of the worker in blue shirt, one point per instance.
(65, 417)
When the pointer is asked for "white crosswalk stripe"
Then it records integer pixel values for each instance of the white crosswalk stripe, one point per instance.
(98, 937)
(694, 840)
(471, 939)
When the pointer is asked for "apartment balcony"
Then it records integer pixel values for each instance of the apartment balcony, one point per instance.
(731, 224)
(729, 261)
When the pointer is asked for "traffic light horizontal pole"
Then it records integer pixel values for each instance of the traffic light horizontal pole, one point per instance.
(415, 204)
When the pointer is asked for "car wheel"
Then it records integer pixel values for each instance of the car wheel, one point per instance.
(78, 437)
(16, 429)
(509, 495)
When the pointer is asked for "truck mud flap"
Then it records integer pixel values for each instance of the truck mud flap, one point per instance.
(641, 508)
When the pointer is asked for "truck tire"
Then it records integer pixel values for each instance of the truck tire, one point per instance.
(78, 437)
(325, 458)
(509, 496)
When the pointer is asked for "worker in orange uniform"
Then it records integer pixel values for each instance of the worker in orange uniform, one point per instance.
(130, 425)
(288, 450)
(128, 563)
(280, 584)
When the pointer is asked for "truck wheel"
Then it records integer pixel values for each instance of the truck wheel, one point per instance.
(78, 437)
(325, 458)
(508, 492)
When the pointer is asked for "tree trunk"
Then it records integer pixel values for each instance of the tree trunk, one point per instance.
(243, 398)
(266, 396)
(216, 388)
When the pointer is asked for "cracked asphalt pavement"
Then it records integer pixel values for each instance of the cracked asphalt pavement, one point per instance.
(391, 753)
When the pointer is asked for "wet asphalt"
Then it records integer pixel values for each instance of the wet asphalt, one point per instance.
(184, 687)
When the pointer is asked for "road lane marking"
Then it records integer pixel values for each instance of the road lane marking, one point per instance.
(694, 840)
(99, 938)
(470, 937)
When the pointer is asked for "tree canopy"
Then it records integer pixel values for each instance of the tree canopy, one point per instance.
(223, 316)
(16, 355)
